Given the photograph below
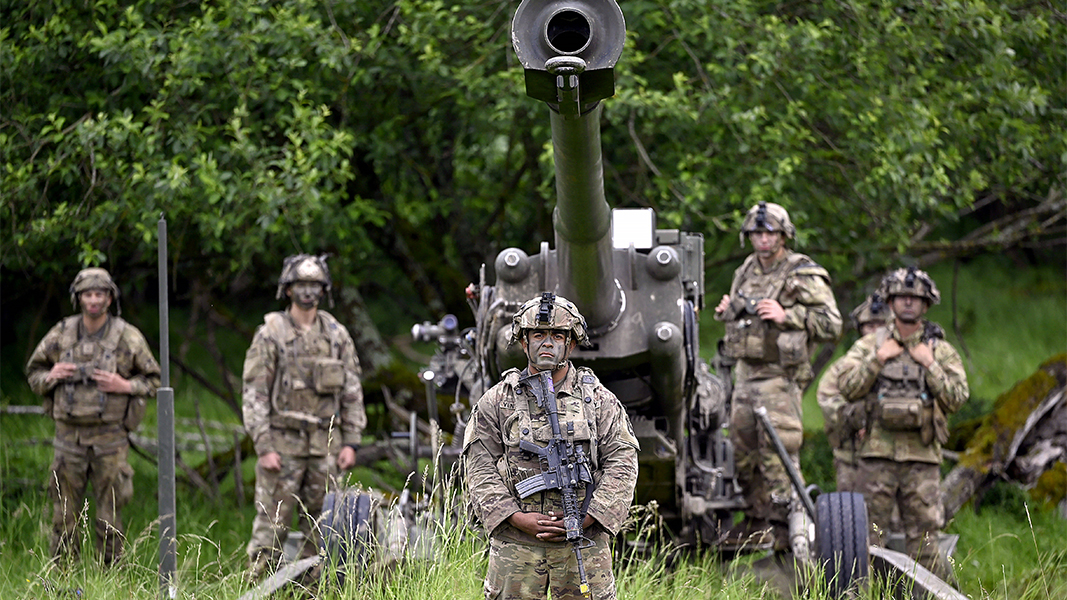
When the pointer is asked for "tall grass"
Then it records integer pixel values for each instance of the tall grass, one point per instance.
(1003, 555)
(1010, 322)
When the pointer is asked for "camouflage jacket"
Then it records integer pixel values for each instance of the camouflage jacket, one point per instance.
(117, 347)
(302, 394)
(588, 413)
(943, 383)
(802, 287)
(830, 400)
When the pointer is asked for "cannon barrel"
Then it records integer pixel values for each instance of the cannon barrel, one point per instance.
(568, 50)
(639, 287)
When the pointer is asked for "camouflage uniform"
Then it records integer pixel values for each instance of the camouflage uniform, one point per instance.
(900, 456)
(773, 366)
(91, 442)
(844, 446)
(522, 566)
(838, 422)
(302, 399)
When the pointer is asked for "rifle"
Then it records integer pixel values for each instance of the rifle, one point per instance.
(565, 466)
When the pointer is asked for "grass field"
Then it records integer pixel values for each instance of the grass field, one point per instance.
(1009, 321)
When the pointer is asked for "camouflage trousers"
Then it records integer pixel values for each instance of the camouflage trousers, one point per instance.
(104, 466)
(914, 488)
(520, 572)
(764, 481)
(299, 488)
(847, 478)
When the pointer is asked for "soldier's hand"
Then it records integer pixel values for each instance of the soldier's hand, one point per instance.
(889, 349)
(271, 461)
(544, 527)
(61, 371)
(111, 383)
(769, 309)
(923, 354)
(346, 459)
(723, 304)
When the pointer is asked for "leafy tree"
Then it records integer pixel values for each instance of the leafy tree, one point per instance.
(396, 135)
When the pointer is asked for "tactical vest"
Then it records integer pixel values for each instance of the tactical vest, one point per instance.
(752, 338)
(309, 376)
(78, 401)
(577, 423)
(900, 398)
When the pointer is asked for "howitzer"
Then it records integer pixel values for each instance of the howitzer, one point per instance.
(639, 287)
(565, 467)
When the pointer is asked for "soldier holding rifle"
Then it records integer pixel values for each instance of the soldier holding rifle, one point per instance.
(96, 373)
(779, 307)
(550, 465)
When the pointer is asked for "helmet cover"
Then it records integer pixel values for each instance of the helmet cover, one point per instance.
(549, 311)
(767, 216)
(873, 310)
(94, 278)
(910, 281)
(304, 267)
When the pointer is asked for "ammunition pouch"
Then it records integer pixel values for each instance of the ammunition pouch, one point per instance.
(852, 418)
(328, 375)
(136, 407)
(903, 404)
(934, 426)
(792, 347)
(746, 333)
(79, 401)
(902, 414)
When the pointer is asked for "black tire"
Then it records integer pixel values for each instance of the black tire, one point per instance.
(841, 544)
(345, 531)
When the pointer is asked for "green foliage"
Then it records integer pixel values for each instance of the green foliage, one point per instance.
(217, 119)
(396, 134)
(862, 118)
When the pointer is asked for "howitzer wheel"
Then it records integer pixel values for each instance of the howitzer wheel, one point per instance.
(841, 543)
(345, 531)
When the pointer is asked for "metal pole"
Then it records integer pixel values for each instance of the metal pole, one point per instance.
(168, 544)
(783, 454)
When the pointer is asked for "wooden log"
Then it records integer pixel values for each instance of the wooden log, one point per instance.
(1015, 429)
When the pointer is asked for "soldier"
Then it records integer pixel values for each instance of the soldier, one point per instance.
(527, 554)
(906, 378)
(303, 405)
(780, 304)
(96, 373)
(842, 422)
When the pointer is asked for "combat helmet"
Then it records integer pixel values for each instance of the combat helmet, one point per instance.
(910, 282)
(549, 311)
(767, 216)
(305, 267)
(94, 278)
(873, 309)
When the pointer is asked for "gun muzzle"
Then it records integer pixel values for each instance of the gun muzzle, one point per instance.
(590, 33)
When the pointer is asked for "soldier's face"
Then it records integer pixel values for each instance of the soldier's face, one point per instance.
(546, 349)
(767, 244)
(306, 294)
(908, 309)
(94, 303)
